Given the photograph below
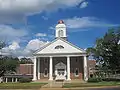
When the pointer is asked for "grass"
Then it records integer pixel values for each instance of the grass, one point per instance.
(37, 85)
(73, 85)
(21, 85)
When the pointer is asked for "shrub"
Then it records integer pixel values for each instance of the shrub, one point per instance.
(94, 79)
(111, 79)
(25, 80)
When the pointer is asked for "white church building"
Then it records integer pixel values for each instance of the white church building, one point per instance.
(60, 59)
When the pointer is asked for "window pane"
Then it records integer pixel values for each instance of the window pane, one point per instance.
(60, 33)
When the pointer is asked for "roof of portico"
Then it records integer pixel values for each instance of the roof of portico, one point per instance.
(59, 46)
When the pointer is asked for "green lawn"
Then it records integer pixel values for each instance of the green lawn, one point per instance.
(72, 85)
(21, 85)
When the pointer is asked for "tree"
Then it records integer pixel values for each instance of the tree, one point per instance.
(7, 64)
(25, 61)
(2, 44)
(107, 50)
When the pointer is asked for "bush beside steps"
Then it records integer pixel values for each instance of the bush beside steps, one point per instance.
(94, 80)
(25, 80)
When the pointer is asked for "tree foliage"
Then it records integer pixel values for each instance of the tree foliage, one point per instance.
(7, 64)
(107, 50)
(25, 61)
(2, 44)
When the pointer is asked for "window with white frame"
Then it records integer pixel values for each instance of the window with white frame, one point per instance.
(60, 33)
(45, 72)
(76, 72)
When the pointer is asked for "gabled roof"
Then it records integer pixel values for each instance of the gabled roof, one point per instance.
(67, 47)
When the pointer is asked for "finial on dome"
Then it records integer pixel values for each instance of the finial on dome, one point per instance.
(60, 22)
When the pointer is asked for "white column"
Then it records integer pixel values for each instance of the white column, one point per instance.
(85, 69)
(50, 69)
(16, 80)
(6, 79)
(12, 79)
(39, 68)
(34, 69)
(68, 68)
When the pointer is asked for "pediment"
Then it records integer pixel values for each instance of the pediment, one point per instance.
(60, 66)
(59, 46)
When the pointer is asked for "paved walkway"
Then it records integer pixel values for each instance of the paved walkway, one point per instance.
(59, 84)
(53, 84)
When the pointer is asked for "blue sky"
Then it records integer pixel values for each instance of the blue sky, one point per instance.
(30, 25)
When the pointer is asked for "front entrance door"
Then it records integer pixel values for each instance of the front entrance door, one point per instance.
(60, 71)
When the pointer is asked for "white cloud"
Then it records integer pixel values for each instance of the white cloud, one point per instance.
(84, 5)
(11, 49)
(41, 35)
(35, 44)
(15, 10)
(86, 22)
(11, 34)
(15, 49)
(14, 46)
(6, 30)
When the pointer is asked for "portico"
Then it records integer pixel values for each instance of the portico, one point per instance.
(60, 59)
(54, 70)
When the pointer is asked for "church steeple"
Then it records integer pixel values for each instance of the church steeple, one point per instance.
(61, 30)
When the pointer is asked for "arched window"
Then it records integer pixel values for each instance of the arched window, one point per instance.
(76, 72)
(60, 33)
(59, 47)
